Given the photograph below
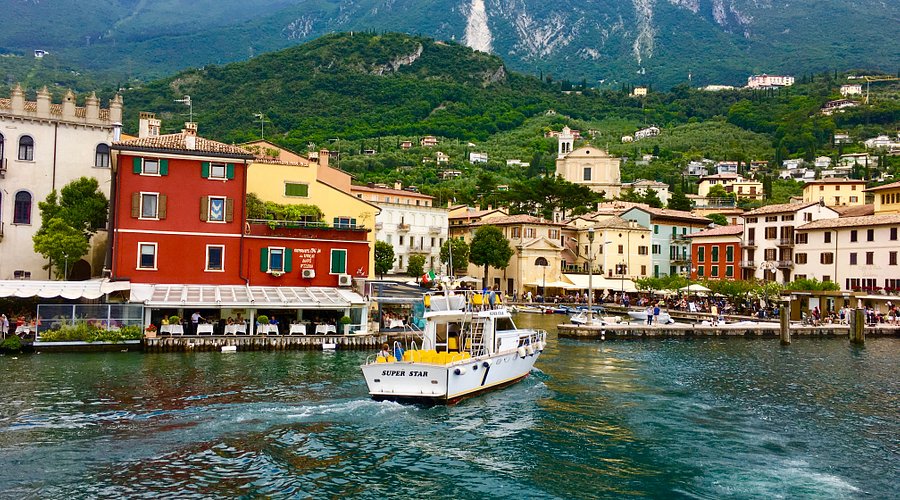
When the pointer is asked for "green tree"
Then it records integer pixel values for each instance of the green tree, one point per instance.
(416, 265)
(384, 257)
(490, 249)
(679, 201)
(61, 243)
(459, 250)
(719, 219)
(80, 204)
(651, 198)
(718, 191)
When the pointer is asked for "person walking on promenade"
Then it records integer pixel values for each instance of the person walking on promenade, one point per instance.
(656, 314)
(714, 310)
(4, 326)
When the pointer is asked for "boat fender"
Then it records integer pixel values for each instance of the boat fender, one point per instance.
(475, 367)
(521, 352)
(460, 370)
(530, 350)
(541, 346)
(486, 363)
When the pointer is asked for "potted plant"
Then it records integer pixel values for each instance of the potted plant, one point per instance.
(262, 322)
(150, 331)
(345, 321)
(174, 320)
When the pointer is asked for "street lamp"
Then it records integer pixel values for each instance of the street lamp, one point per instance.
(541, 261)
(590, 314)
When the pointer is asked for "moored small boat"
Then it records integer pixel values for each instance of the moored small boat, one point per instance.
(641, 316)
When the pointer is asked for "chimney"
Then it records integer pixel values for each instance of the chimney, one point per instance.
(68, 106)
(117, 131)
(92, 108)
(43, 103)
(17, 101)
(149, 125)
(190, 135)
(323, 157)
(398, 185)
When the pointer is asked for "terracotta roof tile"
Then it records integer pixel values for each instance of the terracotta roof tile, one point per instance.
(719, 231)
(398, 192)
(617, 222)
(834, 180)
(176, 143)
(783, 207)
(867, 220)
(854, 210)
(893, 185)
(517, 219)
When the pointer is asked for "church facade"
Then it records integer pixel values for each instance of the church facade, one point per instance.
(588, 166)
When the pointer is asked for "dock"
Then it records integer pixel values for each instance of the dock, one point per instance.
(760, 330)
(194, 343)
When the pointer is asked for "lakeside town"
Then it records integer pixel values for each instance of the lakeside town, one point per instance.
(199, 231)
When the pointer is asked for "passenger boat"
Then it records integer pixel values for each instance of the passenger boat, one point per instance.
(641, 316)
(466, 348)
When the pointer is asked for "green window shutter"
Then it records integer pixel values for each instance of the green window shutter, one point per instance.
(204, 170)
(137, 165)
(163, 167)
(287, 259)
(229, 171)
(263, 259)
(338, 261)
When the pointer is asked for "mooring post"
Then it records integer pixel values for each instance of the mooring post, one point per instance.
(858, 326)
(785, 318)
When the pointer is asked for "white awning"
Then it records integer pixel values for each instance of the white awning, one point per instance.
(552, 284)
(240, 296)
(91, 289)
(600, 282)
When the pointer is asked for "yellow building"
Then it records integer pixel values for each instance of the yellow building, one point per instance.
(588, 166)
(733, 183)
(835, 191)
(616, 241)
(887, 198)
(307, 183)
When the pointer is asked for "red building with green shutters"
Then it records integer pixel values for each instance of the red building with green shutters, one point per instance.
(179, 217)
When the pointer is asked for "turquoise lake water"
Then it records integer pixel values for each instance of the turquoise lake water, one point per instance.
(710, 418)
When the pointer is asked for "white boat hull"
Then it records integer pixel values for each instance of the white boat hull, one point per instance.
(408, 381)
(641, 316)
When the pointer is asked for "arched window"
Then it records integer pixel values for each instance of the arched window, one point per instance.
(26, 148)
(101, 159)
(22, 208)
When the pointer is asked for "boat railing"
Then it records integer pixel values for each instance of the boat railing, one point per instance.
(463, 300)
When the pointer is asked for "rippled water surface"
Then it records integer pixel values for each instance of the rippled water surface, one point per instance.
(665, 418)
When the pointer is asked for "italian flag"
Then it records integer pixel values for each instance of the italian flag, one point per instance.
(428, 277)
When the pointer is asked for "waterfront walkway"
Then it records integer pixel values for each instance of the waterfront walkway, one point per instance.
(762, 329)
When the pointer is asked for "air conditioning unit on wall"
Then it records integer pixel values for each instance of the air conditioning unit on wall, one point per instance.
(345, 280)
(309, 273)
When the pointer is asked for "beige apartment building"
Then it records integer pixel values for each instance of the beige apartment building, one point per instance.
(835, 191)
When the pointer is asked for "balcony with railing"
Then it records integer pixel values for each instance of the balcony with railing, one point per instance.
(748, 263)
(305, 229)
(785, 264)
(682, 258)
(2, 168)
(786, 242)
(751, 243)
(379, 225)
(403, 227)
(679, 238)
(435, 230)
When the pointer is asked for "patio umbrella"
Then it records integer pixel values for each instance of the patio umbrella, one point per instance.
(695, 288)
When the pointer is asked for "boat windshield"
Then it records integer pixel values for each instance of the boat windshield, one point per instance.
(504, 324)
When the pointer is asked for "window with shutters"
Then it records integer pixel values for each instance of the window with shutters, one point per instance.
(701, 254)
(852, 258)
(150, 166)
(729, 271)
(149, 205)
(729, 253)
(870, 235)
(714, 271)
(826, 258)
(217, 170)
(870, 258)
(276, 259)
(714, 257)
(215, 258)
(147, 256)
(339, 261)
(296, 189)
(216, 209)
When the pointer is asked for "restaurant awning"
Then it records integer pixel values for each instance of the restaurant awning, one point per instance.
(552, 284)
(600, 282)
(90, 289)
(240, 296)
